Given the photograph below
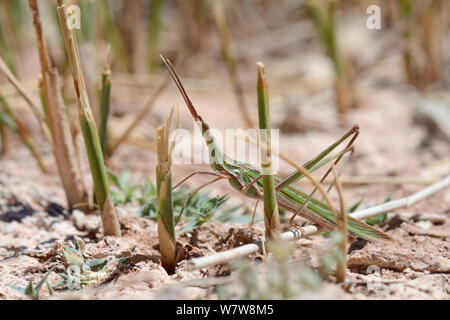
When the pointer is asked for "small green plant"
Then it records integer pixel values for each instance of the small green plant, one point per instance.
(34, 291)
(81, 271)
(200, 207)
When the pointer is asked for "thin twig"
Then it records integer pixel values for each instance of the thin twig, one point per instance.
(402, 203)
(33, 106)
(245, 250)
(212, 173)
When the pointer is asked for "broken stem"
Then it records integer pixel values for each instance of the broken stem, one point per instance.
(110, 219)
(166, 226)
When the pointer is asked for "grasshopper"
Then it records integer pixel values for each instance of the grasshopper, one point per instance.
(246, 179)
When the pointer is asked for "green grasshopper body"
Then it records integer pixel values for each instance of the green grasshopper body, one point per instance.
(242, 178)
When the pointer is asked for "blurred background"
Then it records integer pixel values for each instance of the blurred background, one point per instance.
(330, 64)
(384, 65)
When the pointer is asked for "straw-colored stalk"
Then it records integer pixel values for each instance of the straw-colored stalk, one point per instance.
(271, 214)
(56, 118)
(166, 226)
(432, 34)
(422, 34)
(132, 29)
(23, 132)
(230, 62)
(105, 98)
(4, 135)
(4, 69)
(341, 222)
(109, 215)
(324, 19)
(192, 16)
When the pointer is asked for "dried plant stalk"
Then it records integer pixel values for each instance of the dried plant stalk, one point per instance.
(230, 62)
(24, 134)
(55, 112)
(132, 29)
(166, 226)
(271, 214)
(4, 69)
(432, 33)
(110, 218)
(324, 19)
(4, 135)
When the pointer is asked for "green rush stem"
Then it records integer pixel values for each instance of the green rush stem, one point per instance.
(105, 99)
(271, 214)
(154, 28)
(111, 31)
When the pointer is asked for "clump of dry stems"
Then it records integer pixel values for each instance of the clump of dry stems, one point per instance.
(58, 123)
(110, 218)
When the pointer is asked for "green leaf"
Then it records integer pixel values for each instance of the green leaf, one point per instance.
(377, 220)
(355, 206)
(96, 264)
